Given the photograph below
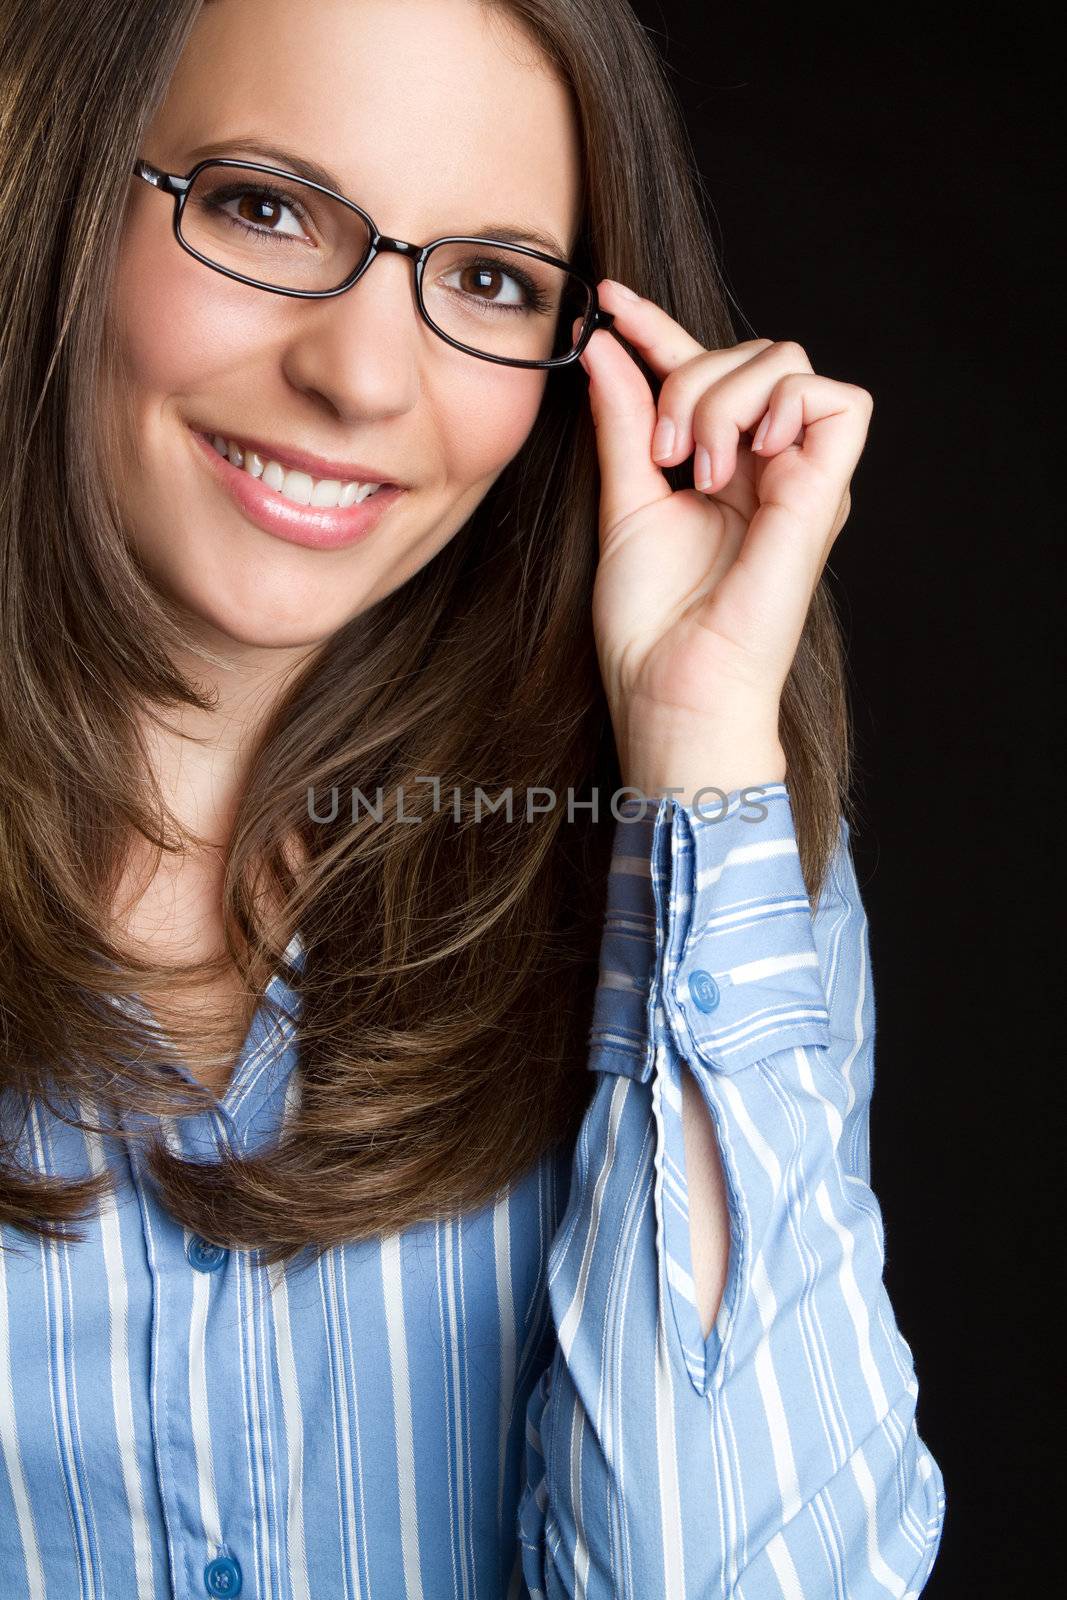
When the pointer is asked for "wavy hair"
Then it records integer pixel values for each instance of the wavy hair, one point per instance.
(449, 968)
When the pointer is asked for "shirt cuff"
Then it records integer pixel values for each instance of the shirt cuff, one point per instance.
(713, 901)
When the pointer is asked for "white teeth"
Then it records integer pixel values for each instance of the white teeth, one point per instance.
(299, 487)
(327, 492)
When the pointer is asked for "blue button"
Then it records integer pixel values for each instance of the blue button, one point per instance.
(704, 990)
(206, 1257)
(223, 1576)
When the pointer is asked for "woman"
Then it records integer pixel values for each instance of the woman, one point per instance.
(327, 1270)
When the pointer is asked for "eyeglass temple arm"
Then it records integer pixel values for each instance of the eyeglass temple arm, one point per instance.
(167, 181)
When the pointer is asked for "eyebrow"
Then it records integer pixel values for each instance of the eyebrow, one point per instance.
(304, 167)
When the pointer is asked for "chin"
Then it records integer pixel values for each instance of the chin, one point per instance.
(258, 623)
(267, 635)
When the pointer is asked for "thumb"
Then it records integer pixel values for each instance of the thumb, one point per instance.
(624, 415)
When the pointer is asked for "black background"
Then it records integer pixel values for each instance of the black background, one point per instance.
(884, 195)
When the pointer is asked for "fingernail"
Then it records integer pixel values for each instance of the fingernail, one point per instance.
(627, 294)
(663, 439)
(761, 432)
(702, 468)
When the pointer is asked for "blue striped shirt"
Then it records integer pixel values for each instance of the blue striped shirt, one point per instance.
(518, 1403)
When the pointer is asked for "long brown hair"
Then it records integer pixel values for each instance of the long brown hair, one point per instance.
(449, 967)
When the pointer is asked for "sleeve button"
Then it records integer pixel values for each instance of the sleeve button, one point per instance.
(704, 990)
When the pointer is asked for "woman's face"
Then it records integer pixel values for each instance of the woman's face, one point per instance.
(436, 118)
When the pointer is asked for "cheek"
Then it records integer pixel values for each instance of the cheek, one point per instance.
(170, 334)
(485, 417)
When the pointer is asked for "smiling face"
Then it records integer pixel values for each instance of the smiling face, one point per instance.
(437, 119)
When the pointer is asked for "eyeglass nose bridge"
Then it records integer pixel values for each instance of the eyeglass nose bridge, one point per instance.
(381, 244)
(400, 247)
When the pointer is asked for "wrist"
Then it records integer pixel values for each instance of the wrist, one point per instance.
(687, 770)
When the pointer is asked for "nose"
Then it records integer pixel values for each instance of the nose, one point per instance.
(360, 351)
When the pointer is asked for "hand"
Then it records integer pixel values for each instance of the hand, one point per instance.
(701, 594)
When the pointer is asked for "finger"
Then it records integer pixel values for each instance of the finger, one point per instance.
(674, 355)
(674, 438)
(781, 560)
(711, 420)
(624, 415)
(802, 510)
(663, 343)
(834, 416)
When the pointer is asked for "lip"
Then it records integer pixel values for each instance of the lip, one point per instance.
(303, 460)
(316, 527)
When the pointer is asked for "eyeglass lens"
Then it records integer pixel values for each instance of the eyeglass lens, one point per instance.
(285, 234)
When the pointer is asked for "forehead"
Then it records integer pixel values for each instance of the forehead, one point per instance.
(431, 113)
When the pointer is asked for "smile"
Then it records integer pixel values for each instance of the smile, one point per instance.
(299, 487)
(289, 501)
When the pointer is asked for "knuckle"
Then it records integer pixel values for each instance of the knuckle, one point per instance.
(671, 393)
(679, 390)
(698, 366)
(793, 351)
(790, 381)
(681, 380)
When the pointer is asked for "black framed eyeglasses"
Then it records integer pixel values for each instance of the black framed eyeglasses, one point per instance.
(494, 299)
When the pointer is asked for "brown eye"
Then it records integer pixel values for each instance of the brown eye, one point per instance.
(258, 209)
(481, 281)
(254, 207)
(495, 283)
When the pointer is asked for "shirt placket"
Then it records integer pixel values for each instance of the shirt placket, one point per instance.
(196, 1402)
